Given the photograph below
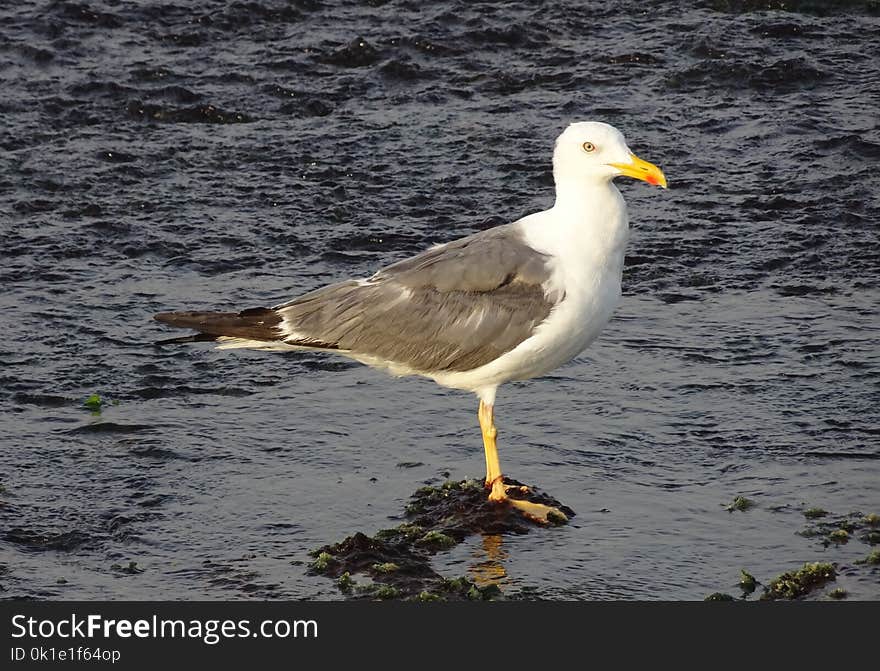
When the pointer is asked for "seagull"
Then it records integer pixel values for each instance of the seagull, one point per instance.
(508, 303)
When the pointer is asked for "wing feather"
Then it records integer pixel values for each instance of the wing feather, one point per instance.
(452, 308)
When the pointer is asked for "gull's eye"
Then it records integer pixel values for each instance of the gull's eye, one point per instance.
(589, 147)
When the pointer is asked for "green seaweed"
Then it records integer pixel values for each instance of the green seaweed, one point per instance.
(719, 596)
(490, 592)
(130, 569)
(556, 519)
(386, 592)
(455, 584)
(94, 403)
(873, 559)
(747, 582)
(386, 567)
(466, 588)
(424, 595)
(839, 529)
(345, 583)
(403, 531)
(795, 584)
(322, 562)
(437, 539)
(832, 530)
(740, 503)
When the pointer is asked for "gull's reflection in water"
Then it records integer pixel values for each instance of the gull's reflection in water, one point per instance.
(489, 567)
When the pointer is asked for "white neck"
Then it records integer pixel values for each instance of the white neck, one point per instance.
(573, 194)
(585, 233)
(587, 220)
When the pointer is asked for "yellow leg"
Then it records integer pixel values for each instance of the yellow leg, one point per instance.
(493, 466)
(494, 480)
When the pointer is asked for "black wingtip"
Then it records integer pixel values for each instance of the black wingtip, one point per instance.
(252, 324)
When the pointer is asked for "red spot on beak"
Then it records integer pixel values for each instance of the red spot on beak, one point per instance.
(650, 179)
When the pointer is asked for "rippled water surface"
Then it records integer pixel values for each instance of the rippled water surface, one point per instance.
(219, 155)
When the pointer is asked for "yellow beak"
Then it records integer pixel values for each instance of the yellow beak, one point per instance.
(643, 170)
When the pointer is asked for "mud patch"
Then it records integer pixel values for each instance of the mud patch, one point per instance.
(396, 563)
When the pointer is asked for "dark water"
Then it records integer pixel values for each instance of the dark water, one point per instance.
(224, 155)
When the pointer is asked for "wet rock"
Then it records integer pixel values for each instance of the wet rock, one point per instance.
(33, 540)
(356, 54)
(311, 107)
(86, 210)
(198, 114)
(397, 561)
(36, 54)
(401, 71)
(462, 509)
(636, 58)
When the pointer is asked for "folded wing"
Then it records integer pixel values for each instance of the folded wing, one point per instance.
(452, 308)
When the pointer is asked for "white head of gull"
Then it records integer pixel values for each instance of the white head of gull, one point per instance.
(509, 303)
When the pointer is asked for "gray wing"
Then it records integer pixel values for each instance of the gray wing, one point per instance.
(452, 308)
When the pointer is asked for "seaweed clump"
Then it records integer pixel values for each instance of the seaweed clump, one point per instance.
(719, 596)
(832, 530)
(741, 504)
(396, 563)
(795, 584)
(838, 529)
(873, 559)
(747, 582)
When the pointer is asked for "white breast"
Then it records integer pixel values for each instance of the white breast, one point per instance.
(586, 248)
